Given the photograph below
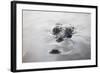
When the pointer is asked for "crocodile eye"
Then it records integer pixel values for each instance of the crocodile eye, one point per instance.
(56, 30)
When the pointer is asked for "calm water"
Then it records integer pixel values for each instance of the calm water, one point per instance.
(38, 40)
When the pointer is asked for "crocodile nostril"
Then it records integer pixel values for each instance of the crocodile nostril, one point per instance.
(69, 36)
(61, 32)
(68, 32)
(60, 39)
